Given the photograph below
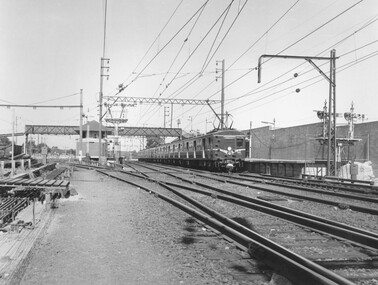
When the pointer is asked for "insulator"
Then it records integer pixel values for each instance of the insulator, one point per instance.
(297, 90)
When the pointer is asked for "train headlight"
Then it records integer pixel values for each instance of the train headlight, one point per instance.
(229, 152)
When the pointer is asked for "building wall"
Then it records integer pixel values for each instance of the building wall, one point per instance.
(93, 148)
(299, 143)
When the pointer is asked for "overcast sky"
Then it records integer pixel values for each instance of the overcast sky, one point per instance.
(51, 49)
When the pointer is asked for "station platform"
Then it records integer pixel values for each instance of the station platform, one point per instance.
(277, 167)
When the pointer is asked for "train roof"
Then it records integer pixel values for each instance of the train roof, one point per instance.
(216, 132)
(226, 132)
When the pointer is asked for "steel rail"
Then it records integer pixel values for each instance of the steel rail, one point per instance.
(314, 190)
(313, 199)
(316, 223)
(344, 231)
(294, 267)
(357, 188)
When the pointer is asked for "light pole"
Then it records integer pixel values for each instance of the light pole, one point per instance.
(274, 137)
(271, 123)
(191, 123)
(207, 122)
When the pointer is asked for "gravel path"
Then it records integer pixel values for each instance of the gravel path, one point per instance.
(113, 233)
(92, 239)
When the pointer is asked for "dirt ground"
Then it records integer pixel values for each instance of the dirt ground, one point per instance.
(92, 239)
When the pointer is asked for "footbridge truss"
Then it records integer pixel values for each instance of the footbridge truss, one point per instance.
(123, 131)
(75, 130)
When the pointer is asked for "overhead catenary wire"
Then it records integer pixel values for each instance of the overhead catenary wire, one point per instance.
(169, 41)
(180, 50)
(256, 90)
(340, 69)
(193, 79)
(157, 37)
(302, 38)
(259, 39)
(207, 61)
(292, 78)
(123, 87)
(198, 45)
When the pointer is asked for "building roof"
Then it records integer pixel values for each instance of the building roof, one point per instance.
(94, 125)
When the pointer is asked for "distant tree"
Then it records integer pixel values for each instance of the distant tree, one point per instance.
(38, 148)
(4, 141)
(31, 146)
(154, 141)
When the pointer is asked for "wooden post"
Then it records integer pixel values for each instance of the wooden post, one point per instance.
(33, 212)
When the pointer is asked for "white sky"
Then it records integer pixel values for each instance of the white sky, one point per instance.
(52, 49)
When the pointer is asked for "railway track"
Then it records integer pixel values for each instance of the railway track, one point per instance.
(269, 233)
(365, 204)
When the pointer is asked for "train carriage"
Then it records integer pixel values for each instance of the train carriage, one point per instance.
(217, 150)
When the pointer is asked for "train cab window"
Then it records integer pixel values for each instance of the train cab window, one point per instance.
(239, 142)
(187, 145)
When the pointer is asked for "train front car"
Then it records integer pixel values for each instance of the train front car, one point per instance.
(228, 150)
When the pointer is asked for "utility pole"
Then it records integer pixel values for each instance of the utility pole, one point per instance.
(250, 139)
(166, 114)
(331, 140)
(222, 94)
(12, 162)
(206, 125)
(81, 125)
(191, 124)
(102, 75)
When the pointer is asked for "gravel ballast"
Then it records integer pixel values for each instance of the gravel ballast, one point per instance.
(113, 233)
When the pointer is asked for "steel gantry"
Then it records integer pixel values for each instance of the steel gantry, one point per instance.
(133, 101)
(331, 128)
(112, 100)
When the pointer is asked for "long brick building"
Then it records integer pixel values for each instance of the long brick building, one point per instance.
(300, 143)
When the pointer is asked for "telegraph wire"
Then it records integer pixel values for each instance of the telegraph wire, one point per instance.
(172, 38)
(215, 39)
(193, 79)
(250, 70)
(175, 58)
(269, 29)
(200, 43)
(340, 69)
(55, 99)
(264, 34)
(157, 37)
(122, 87)
(208, 61)
(321, 26)
(257, 90)
(307, 35)
(196, 48)
(302, 38)
(292, 78)
(232, 24)
(178, 53)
